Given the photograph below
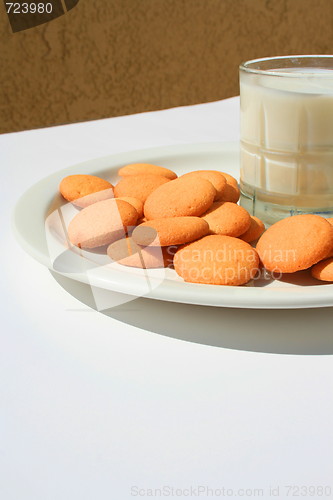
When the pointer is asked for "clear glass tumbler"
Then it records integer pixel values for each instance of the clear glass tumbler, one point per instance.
(287, 136)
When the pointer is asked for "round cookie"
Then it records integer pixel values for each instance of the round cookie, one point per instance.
(170, 231)
(146, 168)
(101, 223)
(84, 190)
(128, 253)
(231, 192)
(255, 230)
(323, 271)
(295, 243)
(216, 178)
(227, 219)
(135, 202)
(181, 197)
(139, 186)
(217, 260)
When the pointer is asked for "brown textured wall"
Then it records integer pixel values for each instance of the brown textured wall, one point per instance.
(114, 57)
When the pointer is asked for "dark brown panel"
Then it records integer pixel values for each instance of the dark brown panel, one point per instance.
(27, 14)
(70, 4)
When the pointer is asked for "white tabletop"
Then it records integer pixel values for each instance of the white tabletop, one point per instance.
(185, 400)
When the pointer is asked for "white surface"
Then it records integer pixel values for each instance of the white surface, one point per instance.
(150, 394)
(47, 240)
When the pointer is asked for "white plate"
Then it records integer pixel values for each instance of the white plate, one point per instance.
(42, 236)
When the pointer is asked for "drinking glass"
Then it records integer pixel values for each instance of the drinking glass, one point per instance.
(287, 136)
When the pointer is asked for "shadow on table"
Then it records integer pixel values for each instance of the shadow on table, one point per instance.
(302, 331)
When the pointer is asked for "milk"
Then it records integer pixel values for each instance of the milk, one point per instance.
(287, 142)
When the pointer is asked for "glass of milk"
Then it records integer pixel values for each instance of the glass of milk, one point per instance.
(287, 136)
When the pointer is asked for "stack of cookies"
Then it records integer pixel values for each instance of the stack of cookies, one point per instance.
(152, 218)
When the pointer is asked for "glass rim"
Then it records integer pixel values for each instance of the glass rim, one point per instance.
(246, 66)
